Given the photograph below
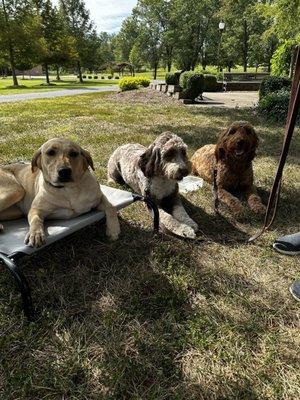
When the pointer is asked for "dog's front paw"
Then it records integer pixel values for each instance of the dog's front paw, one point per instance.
(193, 225)
(113, 231)
(237, 208)
(258, 208)
(187, 232)
(35, 238)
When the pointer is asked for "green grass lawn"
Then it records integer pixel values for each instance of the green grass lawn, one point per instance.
(153, 317)
(38, 85)
(71, 82)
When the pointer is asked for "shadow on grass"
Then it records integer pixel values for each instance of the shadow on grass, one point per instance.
(124, 309)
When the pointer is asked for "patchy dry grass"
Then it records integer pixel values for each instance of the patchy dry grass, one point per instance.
(153, 317)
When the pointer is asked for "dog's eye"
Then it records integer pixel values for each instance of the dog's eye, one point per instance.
(73, 154)
(51, 152)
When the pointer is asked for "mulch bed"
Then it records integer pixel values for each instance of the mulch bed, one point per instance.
(144, 96)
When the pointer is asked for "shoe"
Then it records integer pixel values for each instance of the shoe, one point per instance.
(295, 290)
(289, 244)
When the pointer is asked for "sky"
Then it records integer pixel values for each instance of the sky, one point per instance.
(108, 14)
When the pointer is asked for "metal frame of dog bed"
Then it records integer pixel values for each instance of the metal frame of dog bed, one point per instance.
(10, 256)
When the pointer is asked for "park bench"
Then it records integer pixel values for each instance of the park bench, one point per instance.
(12, 247)
(243, 80)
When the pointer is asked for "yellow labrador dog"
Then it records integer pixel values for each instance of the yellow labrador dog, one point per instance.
(57, 184)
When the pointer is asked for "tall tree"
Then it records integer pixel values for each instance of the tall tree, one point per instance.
(59, 46)
(20, 30)
(197, 26)
(80, 27)
(242, 21)
(126, 38)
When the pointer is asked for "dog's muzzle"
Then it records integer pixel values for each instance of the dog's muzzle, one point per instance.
(182, 172)
(64, 174)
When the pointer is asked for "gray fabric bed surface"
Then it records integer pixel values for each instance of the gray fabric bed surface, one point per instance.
(12, 239)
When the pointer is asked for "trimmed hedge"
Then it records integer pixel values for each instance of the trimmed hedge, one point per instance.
(172, 78)
(131, 83)
(192, 84)
(142, 81)
(274, 105)
(211, 84)
(271, 84)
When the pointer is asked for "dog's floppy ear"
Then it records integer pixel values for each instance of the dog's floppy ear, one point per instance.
(88, 159)
(255, 141)
(220, 153)
(150, 161)
(36, 160)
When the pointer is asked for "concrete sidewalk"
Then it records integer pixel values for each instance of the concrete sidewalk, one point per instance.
(7, 98)
(229, 99)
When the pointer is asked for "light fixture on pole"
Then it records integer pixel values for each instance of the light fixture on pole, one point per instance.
(221, 29)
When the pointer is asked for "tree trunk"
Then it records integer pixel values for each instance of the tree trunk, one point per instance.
(47, 74)
(169, 66)
(79, 72)
(10, 47)
(155, 70)
(245, 46)
(57, 73)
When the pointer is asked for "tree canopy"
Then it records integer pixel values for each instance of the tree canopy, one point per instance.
(169, 33)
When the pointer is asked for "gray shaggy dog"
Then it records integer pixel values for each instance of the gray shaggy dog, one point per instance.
(156, 171)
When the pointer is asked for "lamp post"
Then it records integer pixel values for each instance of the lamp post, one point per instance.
(221, 29)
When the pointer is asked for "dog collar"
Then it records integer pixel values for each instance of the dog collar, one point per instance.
(56, 187)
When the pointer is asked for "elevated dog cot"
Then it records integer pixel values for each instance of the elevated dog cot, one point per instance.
(12, 247)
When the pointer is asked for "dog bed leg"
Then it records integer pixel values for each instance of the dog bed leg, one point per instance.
(22, 285)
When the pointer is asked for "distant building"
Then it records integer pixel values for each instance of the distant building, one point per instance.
(35, 71)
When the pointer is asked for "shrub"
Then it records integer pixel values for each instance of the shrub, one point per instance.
(116, 77)
(95, 77)
(271, 84)
(90, 77)
(142, 81)
(102, 77)
(275, 105)
(128, 83)
(192, 84)
(83, 76)
(109, 77)
(211, 84)
(172, 78)
(132, 82)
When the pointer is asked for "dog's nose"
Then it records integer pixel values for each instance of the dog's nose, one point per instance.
(241, 143)
(64, 173)
(184, 171)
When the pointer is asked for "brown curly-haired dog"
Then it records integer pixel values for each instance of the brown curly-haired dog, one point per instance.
(232, 159)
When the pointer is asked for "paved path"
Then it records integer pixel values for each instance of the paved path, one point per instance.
(7, 98)
(230, 99)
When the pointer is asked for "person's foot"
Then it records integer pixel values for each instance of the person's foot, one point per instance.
(295, 290)
(289, 244)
